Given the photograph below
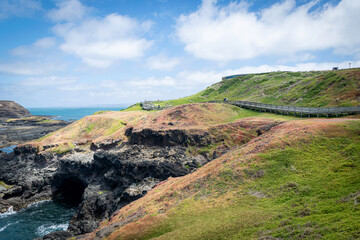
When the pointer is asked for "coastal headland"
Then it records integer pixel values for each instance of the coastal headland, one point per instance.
(194, 169)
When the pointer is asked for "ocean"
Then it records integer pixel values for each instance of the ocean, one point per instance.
(71, 114)
(42, 218)
(36, 220)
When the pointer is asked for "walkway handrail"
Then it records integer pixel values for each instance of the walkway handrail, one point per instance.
(281, 109)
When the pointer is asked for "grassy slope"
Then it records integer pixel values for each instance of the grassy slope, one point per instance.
(300, 180)
(311, 89)
(110, 126)
(93, 128)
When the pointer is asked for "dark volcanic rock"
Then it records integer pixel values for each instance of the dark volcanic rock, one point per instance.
(59, 235)
(22, 130)
(28, 174)
(102, 181)
(112, 179)
(10, 109)
(18, 125)
(170, 137)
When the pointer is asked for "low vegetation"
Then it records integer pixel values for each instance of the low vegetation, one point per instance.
(307, 89)
(300, 180)
(32, 119)
(294, 179)
(96, 127)
(109, 126)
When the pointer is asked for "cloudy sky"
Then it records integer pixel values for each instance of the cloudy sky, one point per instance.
(88, 52)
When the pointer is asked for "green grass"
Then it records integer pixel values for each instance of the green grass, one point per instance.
(135, 107)
(90, 127)
(311, 189)
(100, 112)
(245, 113)
(307, 89)
(115, 127)
(63, 148)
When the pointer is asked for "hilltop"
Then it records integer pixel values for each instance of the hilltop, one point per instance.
(305, 89)
(108, 129)
(11, 109)
(203, 170)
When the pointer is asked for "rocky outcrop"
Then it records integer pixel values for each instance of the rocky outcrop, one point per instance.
(17, 131)
(113, 174)
(100, 182)
(112, 179)
(168, 137)
(11, 109)
(30, 173)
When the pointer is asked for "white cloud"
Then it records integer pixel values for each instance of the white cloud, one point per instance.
(153, 82)
(99, 42)
(69, 10)
(18, 7)
(161, 62)
(33, 49)
(33, 68)
(191, 79)
(298, 67)
(45, 43)
(233, 32)
(47, 81)
(20, 69)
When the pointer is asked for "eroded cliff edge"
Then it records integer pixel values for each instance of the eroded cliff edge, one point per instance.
(103, 170)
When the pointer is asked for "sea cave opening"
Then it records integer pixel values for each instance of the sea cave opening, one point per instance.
(70, 190)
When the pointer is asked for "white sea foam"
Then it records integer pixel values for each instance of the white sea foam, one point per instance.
(4, 227)
(38, 203)
(48, 228)
(10, 211)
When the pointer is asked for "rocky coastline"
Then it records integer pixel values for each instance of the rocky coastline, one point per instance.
(18, 131)
(18, 125)
(107, 175)
(101, 181)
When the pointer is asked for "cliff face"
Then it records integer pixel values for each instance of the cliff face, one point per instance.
(106, 170)
(294, 181)
(11, 109)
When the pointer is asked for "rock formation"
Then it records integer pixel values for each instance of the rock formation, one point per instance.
(108, 175)
(11, 109)
(18, 125)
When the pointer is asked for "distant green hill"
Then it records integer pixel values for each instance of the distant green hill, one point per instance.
(307, 89)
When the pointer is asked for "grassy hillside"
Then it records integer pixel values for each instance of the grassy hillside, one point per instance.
(107, 127)
(300, 180)
(307, 89)
(97, 127)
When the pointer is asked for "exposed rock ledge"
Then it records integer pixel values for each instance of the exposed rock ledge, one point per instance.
(103, 181)
(100, 181)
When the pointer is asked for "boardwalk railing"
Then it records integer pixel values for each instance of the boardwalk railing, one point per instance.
(302, 111)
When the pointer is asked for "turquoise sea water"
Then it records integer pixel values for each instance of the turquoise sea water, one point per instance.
(69, 114)
(43, 217)
(36, 220)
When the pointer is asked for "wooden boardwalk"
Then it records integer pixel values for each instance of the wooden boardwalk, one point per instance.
(296, 111)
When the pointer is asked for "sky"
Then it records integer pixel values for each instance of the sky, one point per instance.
(76, 53)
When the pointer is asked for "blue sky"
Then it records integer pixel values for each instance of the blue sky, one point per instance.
(68, 53)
